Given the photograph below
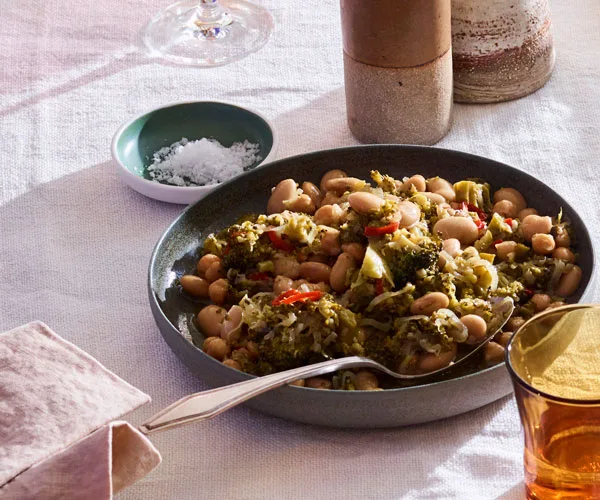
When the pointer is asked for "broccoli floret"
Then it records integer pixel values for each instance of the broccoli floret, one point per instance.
(277, 354)
(412, 264)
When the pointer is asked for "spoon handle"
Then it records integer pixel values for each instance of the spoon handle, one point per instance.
(207, 404)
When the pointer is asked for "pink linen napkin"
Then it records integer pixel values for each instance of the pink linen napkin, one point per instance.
(55, 402)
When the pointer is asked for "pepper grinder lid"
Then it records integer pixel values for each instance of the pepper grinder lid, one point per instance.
(396, 33)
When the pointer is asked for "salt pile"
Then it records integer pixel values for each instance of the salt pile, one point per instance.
(201, 162)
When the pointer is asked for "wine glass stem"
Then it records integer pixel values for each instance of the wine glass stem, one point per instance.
(211, 15)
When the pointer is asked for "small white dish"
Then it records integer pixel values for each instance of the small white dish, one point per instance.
(136, 141)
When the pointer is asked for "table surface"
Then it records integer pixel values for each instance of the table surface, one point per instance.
(75, 242)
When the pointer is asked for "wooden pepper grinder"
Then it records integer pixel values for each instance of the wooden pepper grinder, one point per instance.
(397, 69)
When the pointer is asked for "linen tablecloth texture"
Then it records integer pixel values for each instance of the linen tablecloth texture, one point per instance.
(75, 243)
(57, 440)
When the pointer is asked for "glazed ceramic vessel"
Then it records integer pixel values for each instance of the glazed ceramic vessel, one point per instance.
(502, 49)
(397, 70)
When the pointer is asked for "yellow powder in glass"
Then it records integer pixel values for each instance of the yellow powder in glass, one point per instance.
(566, 362)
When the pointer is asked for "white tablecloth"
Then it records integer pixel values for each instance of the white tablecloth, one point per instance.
(75, 242)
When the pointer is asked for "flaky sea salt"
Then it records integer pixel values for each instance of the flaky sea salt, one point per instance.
(202, 162)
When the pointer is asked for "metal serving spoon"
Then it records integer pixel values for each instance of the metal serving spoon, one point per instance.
(207, 404)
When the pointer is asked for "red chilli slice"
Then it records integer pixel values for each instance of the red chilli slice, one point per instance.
(292, 296)
(279, 243)
(380, 231)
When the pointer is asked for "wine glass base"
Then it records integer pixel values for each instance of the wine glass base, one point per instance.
(178, 36)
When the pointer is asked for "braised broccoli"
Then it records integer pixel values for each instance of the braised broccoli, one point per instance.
(412, 263)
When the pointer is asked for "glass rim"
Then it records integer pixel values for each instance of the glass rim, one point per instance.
(515, 377)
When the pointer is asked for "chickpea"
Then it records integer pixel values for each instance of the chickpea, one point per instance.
(205, 262)
(232, 325)
(563, 253)
(442, 187)
(366, 381)
(214, 272)
(341, 185)
(332, 174)
(476, 326)
(451, 246)
(540, 301)
(231, 363)
(330, 198)
(430, 362)
(355, 249)
(285, 191)
(328, 215)
(315, 271)
(562, 237)
(515, 323)
(534, 224)
(218, 291)
(542, 244)
(282, 284)
(493, 353)
(418, 181)
(503, 338)
(313, 192)
(407, 213)
(318, 383)
(511, 195)
(216, 347)
(330, 242)
(298, 383)
(505, 208)
(210, 320)
(569, 282)
(337, 279)
(461, 228)
(429, 303)
(363, 203)
(286, 266)
(194, 285)
(505, 248)
(525, 212)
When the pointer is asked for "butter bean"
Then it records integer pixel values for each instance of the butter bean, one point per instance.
(407, 213)
(216, 347)
(301, 203)
(232, 325)
(429, 303)
(366, 381)
(511, 195)
(231, 363)
(569, 282)
(315, 272)
(318, 383)
(341, 185)
(356, 250)
(503, 338)
(286, 266)
(525, 212)
(515, 323)
(542, 244)
(332, 174)
(442, 187)
(210, 320)
(217, 291)
(328, 215)
(330, 242)
(505, 208)
(493, 353)
(540, 301)
(562, 237)
(330, 198)
(505, 248)
(434, 197)
(564, 253)
(285, 191)
(476, 326)
(194, 285)
(298, 383)
(418, 181)
(214, 272)
(282, 284)
(534, 224)
(451, 246)
(461, 228)
(363, 202)
(430, 362)
(337, 279)
(313, 192)
(205, 262)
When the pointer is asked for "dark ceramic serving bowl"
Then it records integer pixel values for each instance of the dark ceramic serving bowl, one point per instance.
(179, 249)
